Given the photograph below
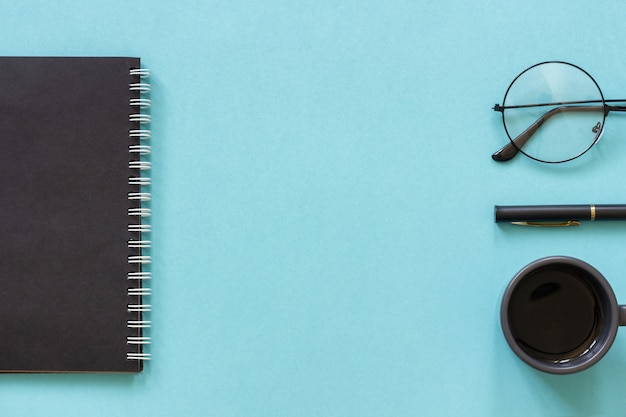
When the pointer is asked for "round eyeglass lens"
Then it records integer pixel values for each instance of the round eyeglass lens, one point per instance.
(553, 112)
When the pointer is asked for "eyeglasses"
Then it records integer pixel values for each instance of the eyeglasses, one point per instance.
(553, 112)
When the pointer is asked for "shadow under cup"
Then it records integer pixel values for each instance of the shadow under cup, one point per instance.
(560, 315)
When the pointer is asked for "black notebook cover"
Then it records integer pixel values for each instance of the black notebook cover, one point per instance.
(66, 301)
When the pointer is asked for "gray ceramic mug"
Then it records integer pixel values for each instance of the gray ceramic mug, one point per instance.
(560, 315)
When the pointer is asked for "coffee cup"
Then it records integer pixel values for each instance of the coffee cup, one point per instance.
(560, 315)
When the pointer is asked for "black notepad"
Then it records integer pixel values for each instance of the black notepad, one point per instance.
(74, 197)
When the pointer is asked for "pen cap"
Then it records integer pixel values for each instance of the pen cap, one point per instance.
(542, 213)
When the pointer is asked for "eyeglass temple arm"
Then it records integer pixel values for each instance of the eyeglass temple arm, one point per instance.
(509, 151)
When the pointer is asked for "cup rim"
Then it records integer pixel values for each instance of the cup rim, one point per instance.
(609, 304)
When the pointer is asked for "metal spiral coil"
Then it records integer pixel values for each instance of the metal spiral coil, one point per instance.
(139, 196)
(139, 275)
(138, 230)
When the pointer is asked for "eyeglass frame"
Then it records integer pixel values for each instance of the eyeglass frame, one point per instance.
(511, 149)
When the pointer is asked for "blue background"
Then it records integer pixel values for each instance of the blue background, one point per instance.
(324, 242)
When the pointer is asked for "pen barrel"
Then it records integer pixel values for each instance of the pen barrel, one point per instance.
(560, 212)
(610, 211)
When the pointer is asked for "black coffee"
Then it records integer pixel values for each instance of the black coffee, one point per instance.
(555, 314)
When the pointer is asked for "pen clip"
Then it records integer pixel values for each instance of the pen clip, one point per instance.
(548, 224)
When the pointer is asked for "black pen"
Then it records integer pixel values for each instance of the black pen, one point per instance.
(559, 215)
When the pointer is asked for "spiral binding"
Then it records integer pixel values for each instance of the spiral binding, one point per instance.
(137, 214)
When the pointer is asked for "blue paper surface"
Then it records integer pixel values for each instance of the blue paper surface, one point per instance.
(324, 241)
